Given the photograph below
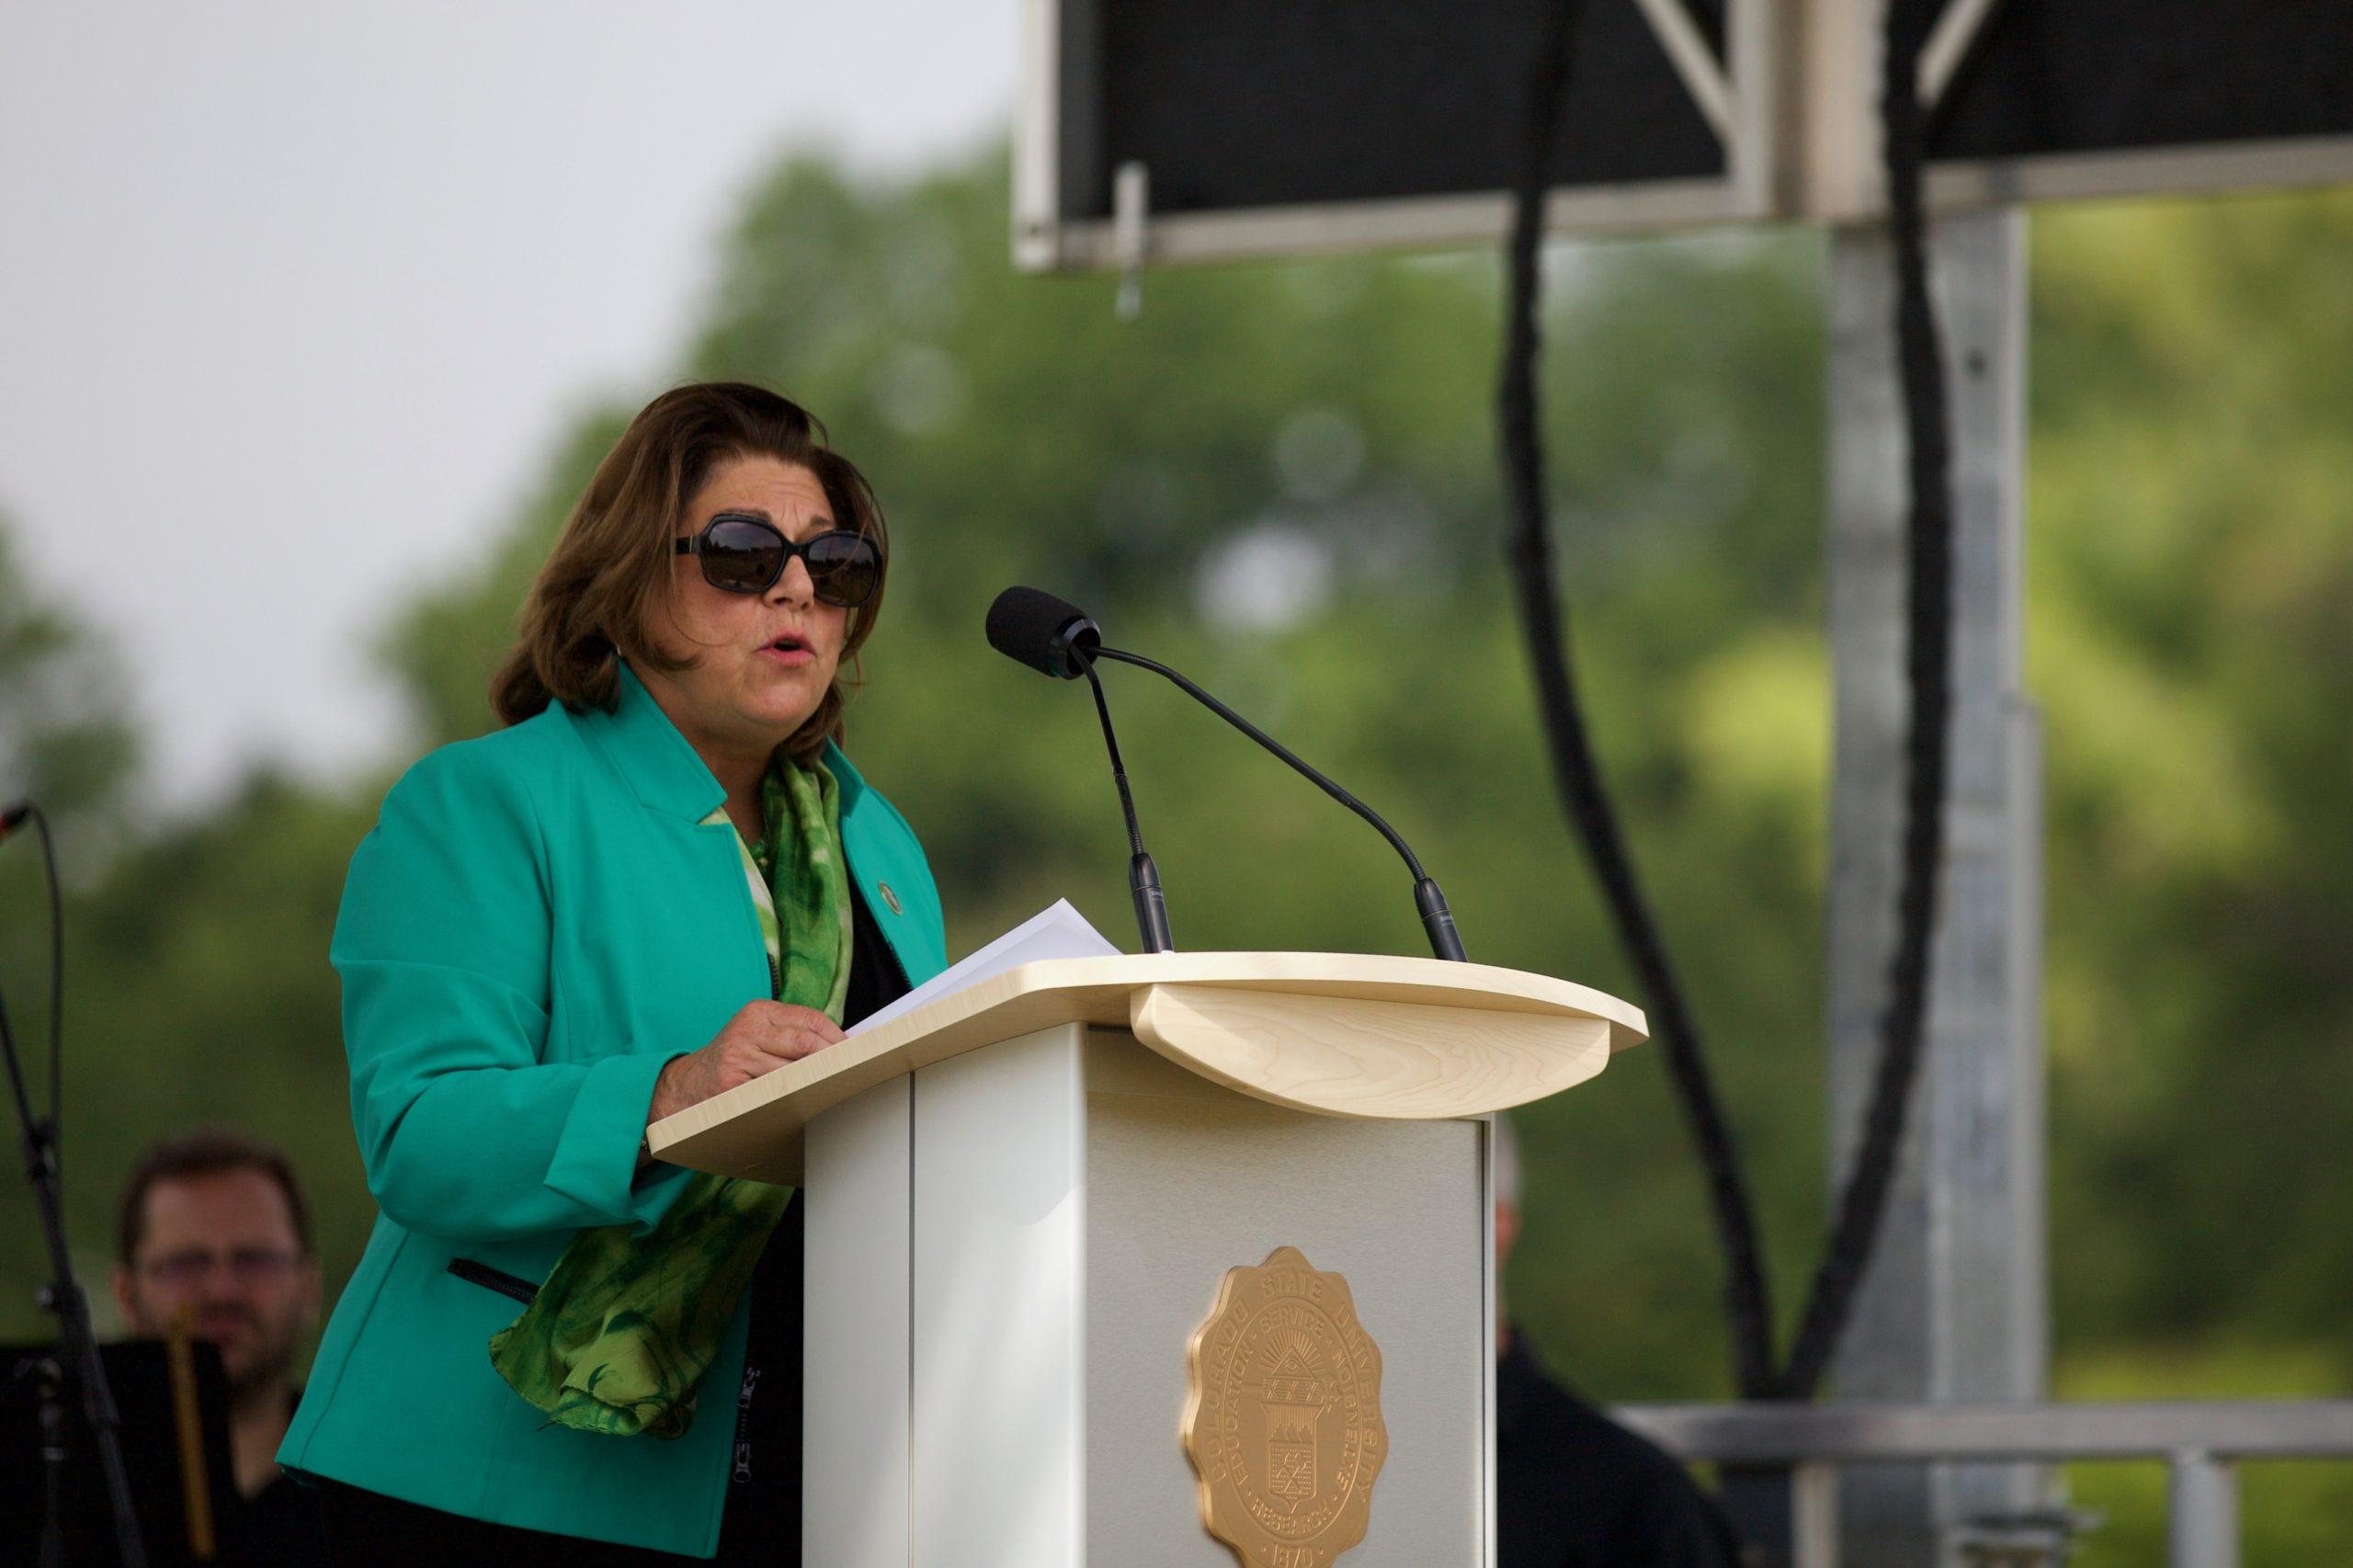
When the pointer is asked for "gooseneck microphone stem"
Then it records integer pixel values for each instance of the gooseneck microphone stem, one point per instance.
(1055, 638)
(1144, 877)
(1438, 920)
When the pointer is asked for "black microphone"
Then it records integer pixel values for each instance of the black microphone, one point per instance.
(12, 817)
(1051, 636)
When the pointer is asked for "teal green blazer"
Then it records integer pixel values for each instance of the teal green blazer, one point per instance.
(537, 923)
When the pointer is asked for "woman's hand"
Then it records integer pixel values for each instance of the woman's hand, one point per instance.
(759, 1039)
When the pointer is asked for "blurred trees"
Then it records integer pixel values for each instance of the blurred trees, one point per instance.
(65, 728)
(195, 983)
(1281, 479)
(2192, 643)
(66, 741)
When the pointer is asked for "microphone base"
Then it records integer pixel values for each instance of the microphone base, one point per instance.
(1152, 907)
(1438, 920)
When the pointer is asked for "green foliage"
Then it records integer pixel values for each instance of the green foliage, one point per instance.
(202, 993)
(65, 734)
(66, 742)
(2193, 563)
(1282, 478)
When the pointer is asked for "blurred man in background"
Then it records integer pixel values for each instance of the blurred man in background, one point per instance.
(1573, 1488)
(213, 1231)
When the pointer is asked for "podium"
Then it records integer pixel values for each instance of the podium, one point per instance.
(1163, 1261)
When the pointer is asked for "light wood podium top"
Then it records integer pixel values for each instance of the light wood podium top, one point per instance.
(1339, 1034)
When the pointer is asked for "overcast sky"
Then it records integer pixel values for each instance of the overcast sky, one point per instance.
(279, 272)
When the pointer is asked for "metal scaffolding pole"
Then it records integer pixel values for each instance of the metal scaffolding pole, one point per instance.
(1955, 1308)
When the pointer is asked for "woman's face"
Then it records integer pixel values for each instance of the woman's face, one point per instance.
(761, 662)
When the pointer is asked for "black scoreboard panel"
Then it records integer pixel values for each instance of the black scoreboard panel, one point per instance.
(2055, 77)
(1240, 104)
(1269, 127)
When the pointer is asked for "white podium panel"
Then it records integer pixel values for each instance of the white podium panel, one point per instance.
(1186, 1180)
(859, 1207)
(1021, 1242)
(998, 1443)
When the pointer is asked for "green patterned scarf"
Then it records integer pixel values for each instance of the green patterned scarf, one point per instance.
(619, 1338)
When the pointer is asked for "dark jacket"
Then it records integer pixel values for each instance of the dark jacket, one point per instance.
(1575, 1490)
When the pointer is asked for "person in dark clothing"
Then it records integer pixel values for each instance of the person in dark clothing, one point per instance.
(1573, 1489)
(213, 1230)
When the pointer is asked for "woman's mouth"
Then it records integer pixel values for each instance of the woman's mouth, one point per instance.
(788, 649)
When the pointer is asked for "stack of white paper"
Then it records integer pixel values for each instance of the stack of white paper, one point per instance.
(1056, 932)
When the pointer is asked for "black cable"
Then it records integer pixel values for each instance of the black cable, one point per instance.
(1583, 791)
(1863, 1202)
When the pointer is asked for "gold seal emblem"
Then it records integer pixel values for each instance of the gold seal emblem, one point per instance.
(1282, 1415)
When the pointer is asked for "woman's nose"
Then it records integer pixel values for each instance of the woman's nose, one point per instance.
(794, 585)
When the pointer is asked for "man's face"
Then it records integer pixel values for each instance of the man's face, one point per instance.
(1506, 1230)
(221, 1247)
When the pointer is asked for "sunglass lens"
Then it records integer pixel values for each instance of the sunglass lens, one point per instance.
(742, 556)
(843, 567)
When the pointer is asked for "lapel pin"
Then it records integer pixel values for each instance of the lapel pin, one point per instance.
(890, 898)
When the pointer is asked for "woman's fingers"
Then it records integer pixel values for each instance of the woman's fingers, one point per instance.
(791, 1033)
(759, 1040)
(825, 1029)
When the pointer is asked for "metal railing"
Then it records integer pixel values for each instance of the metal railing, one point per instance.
(2200, 1442)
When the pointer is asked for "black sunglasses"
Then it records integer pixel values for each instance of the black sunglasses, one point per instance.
(746, 554)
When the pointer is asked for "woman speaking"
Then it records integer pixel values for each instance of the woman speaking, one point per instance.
(662, 879)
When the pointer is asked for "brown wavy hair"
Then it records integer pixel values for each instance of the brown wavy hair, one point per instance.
(611, 565)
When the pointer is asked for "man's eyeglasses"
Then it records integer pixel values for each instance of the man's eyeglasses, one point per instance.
(246, 1266)
(746, 554)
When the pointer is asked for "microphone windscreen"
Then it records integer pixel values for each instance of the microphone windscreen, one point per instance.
(1038, 630)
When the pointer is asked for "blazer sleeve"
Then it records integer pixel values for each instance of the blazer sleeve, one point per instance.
(466, 1130)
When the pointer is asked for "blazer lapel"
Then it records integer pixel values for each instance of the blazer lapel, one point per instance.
(655, 761)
